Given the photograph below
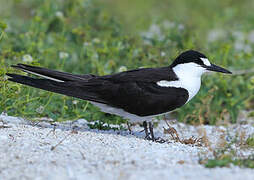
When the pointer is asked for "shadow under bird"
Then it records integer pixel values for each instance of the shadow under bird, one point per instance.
(137, 95)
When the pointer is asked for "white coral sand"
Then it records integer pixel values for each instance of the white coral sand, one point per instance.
(73, 151)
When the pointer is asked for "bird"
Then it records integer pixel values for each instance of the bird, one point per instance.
(137, 95)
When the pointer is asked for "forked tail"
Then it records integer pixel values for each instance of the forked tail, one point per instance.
(68, 84)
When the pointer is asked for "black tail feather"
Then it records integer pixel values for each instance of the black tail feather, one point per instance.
(69, 88)
(63, 76)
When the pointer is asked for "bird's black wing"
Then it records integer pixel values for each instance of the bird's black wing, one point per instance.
(142, 98)
(143, 75)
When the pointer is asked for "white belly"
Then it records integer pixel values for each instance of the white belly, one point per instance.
(120, 112)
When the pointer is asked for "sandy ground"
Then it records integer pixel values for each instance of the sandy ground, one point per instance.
(73, 151)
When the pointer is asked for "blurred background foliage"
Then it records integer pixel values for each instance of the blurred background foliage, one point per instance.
(103, 37)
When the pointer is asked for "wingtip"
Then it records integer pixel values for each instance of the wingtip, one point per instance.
(19, 65)
(15, 66)
(11, 75)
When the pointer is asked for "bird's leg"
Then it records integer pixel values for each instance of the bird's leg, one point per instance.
(146, 130)
(129, 127)
(158, 139)
(151, 130)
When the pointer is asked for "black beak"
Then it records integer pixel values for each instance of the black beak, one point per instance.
(215, 68)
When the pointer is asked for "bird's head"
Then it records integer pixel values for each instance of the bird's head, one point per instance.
(195, 63)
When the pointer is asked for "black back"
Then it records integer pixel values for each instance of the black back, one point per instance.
(143, 75)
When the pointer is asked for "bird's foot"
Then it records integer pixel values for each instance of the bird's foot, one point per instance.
(157, 139)
(129, 128)
(150, 135)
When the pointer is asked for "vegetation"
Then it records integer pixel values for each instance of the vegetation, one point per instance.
(227, 160)
(227, 155)
(85, 36)
(250, 141)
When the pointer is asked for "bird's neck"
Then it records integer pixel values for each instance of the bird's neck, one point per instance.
(189, 78)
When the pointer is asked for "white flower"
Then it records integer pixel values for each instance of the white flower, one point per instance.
(153, 32)
(238, 35)
(96, 40)
(247, 48)
(40, 109)
(59, 14)
(251, 36)
(63, 55)
(5, 77)
(168, 24)
(215, 35)
(240, 46)
(163, 53)
(27, 58)
(122, 68)
(180, 27)
(75, 102)
(155, 29)
(86, 44)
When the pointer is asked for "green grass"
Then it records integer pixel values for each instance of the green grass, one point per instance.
(85, 36)
(227, 160)
(227, 155)
(250, 141)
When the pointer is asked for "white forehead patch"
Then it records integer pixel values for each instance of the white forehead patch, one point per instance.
(206, 61)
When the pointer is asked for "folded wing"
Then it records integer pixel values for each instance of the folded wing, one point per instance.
(144, 98)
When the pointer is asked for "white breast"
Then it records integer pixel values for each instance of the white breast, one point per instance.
(189, 75)
(120, 112)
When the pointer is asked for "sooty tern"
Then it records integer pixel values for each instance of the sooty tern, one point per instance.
(137, 95)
